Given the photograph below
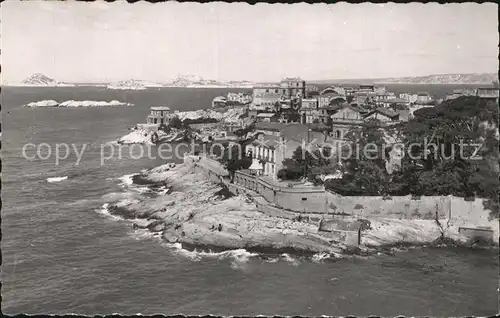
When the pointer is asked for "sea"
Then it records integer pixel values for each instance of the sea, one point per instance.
(61, 253)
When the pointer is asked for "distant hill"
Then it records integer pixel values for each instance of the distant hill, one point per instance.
(179, 81)
(197, 81)
(473, 78)
(39, 79)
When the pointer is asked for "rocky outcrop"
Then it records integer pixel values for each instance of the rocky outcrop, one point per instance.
(76, 103)
(196, 215)
(38, 79)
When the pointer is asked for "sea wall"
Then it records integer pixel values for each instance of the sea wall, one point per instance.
(288, 202)
(458, 210)
(301, 200)
(401, 207)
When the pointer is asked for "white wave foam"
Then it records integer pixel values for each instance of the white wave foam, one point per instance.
(237, 256)
(128, 182)
(145, 234)
(127, 179)
(318, 257)
(56, 179)
(105, 212)
(289, 259)
(272, 260)
(117, 196)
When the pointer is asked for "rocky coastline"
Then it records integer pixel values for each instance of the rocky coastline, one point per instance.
(187, 209)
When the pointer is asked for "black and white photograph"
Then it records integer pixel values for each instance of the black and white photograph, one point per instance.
(237, 159)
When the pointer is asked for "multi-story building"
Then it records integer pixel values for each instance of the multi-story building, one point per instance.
(159, 115)
(344, 119)
(239, 98)
(269, 151)
(296, 87)
(267, 95)
(310, 115)
(423, 98)
(325, 100)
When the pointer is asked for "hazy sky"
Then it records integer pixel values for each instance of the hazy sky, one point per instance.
(98, 41)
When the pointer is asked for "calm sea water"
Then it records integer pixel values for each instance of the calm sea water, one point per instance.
(60, 256)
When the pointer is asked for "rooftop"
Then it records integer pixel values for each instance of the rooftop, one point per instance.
(384, 111)
(270, 126)
(396, 100)
(267, 141)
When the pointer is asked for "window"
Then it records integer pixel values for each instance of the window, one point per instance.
(338, 134)
(267, 91)
(276, 91)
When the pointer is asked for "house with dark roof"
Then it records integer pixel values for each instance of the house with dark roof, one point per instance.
(382, 114)
(269, 128)
(344, 119)
(269, 151)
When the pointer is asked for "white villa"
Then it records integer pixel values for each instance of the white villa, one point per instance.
(159, 115)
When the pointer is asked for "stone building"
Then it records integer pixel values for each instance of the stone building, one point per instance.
(159, 115)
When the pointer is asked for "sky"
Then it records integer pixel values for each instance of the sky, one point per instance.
(100, 42)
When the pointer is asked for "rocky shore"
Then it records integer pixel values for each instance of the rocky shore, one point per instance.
(188, 209)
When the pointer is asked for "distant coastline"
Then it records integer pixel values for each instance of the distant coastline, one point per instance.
(191, 81)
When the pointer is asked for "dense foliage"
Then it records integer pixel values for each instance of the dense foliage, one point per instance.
(234, 158)
(244, 131)
(448, 149)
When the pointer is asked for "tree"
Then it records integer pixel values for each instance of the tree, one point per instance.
(396, 106)
(176, 122)
(234, 158)
(363, 164)
(445, 135)
(303, 163)
(244, 131)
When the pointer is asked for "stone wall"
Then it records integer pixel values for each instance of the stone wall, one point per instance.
(287, 202)
(296, 200)
(477, 234)
(402, 207)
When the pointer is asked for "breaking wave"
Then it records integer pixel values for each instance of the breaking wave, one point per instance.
(236, 256)
(103, 210)
(290, 259)
(56, 179)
